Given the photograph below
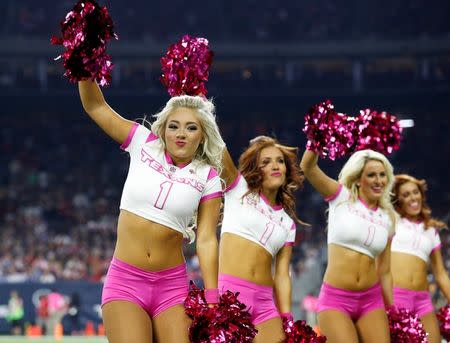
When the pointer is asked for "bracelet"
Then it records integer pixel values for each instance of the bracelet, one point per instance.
(212, 295)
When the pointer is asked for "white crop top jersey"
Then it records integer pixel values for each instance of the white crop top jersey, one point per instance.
(355, 226)
(158, 190)
(412, 238)
(253, 218)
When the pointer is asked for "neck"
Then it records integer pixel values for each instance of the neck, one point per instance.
(271, 195)
(372, 204)
(413, 218)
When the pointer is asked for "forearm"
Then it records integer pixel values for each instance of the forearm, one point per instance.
(283, 293)
(91, 96)
(208, 252)
(309, 161)
(386, 287)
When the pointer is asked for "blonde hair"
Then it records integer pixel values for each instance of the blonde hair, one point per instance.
(352, 171)
(211, 150)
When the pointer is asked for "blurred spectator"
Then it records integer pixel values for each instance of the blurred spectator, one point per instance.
(15, 313)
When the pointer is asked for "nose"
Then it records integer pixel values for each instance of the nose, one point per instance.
(181, 132)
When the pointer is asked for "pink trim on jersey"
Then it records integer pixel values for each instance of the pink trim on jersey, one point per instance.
(366, 205)
(130, 136)
(289, 244)
(335, 195)
(293, 227)
(234, 183)
(436, 248)
(170, 161)
(151, 137)
(211, 196)
(212, 174)
(274, 207)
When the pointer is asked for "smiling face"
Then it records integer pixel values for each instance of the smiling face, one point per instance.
(272, 164)
(183, 134)
(410, 199)
(372, 182)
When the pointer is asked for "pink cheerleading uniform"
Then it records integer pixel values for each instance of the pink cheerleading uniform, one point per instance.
(158, 190)
(253, 218)
(412, 238)
(355, 226)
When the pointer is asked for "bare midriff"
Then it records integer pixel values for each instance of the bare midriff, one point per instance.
(409, 271)
(349, 269)
(245, 259)
(146, 244)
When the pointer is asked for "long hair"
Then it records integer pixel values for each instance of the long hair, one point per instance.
(425, 212)
(250, 170)
(211, 150)
(352, 171)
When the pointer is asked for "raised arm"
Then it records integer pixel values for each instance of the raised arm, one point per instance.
(440, 274)
(96, 107)
(229, 171)
(322, 183)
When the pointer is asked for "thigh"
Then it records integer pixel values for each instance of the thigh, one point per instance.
(126, 322)
(373, 327)
(337, 326)
(171, 326)
(270, 331)
(431, 326)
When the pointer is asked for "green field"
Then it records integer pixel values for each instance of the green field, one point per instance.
(65, 339)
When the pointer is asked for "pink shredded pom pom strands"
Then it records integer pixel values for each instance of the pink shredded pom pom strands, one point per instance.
(85, 31)
(443, 316)
(185, 68)
(229, 321)
(379, 131)
(300, 332)
(405, 326)
(332, 134)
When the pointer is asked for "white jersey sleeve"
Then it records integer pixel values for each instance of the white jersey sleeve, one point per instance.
(213, 188)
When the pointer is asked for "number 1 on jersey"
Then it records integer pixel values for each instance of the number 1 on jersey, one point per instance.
(267, 233)
(164, 191)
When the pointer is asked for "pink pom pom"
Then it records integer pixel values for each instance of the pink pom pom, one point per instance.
(229, 321)
(443, 316)
(405, 326)
(85, 32)
(330, 134)
(379, 131)
(300, 332)
(185, 68)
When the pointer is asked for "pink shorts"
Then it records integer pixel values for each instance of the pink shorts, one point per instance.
(259, 299)
(418, 302)
(354, 303)
(153, 291)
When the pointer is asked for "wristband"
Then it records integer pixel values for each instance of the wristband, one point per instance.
(287, 315)
(212, 295)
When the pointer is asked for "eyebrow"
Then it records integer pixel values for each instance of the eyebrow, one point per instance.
(188, 123)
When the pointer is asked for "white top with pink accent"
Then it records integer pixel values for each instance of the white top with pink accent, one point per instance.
(412, 238)
(355, 226)
(158, 190)
(253, 218)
